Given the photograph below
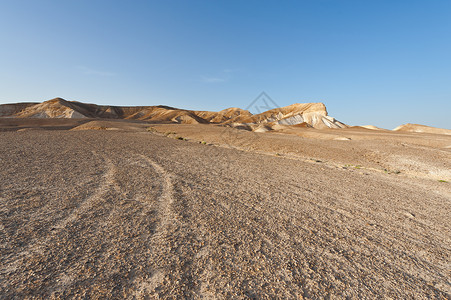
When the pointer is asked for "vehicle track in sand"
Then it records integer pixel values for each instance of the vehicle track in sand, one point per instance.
(104, 186)
(149, 216)
(37, 245)
(166, 197)
(131, 188)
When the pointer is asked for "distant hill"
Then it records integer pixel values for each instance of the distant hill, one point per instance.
(298, 115)
(306, 114)
(422, 128)
(303, 114)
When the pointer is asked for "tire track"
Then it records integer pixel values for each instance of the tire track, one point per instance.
(166, 198)
(162, 250)
(37, 245)
(107, 184)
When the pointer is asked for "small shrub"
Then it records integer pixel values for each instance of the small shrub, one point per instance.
(441, 180)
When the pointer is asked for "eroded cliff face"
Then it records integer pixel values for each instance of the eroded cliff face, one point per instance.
(312, 115)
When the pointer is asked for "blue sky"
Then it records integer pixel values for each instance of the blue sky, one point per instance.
(381, 62)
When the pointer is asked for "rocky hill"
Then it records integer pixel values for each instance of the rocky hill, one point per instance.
(301, 114)
(422, 128)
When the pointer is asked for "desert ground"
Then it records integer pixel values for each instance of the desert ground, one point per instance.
(129, 209)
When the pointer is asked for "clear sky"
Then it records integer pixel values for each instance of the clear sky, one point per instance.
(379, 62)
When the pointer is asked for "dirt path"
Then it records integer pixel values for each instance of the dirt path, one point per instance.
(123, 215)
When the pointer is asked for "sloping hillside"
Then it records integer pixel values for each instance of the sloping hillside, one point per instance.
(422, 128)
(11, 110)
(305, 114)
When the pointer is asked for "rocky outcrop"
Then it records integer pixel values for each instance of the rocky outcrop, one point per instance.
(309, 114)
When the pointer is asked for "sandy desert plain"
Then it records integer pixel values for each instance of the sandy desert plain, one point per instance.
(103, 203)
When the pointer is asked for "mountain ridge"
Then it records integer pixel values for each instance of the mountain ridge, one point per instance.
(306, 114)
(297, 115)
